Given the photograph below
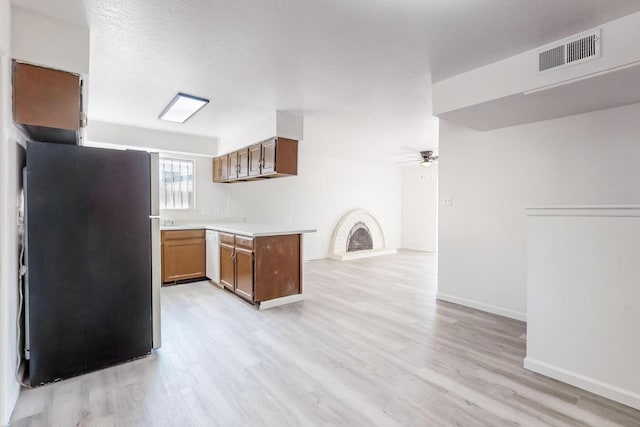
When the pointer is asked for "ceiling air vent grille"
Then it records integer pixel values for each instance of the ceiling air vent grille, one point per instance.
(552, 58)
(572, 51)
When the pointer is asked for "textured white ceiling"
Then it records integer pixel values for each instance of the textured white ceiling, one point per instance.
(360, 70)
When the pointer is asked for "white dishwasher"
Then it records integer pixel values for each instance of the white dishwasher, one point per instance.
(213, 256)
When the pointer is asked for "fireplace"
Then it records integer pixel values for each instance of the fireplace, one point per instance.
(358, 235)
(359, 238)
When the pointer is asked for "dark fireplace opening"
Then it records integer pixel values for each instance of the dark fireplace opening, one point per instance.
(359, 238)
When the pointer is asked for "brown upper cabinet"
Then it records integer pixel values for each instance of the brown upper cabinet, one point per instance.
(233, 165)
(255, 159)
(243, 163)
(47, 103)
(272, 158)
(224, 168)
(216, 169)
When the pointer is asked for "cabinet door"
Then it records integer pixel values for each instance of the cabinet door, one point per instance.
(244, 273)
(243, 163)
(269, 156)
(183, 259)
(224, 168)
(216, 169)
(227, 266)
(255, 159)
(45, 97)
(233, 165)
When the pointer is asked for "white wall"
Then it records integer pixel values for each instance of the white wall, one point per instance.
(212, 200)
(42, 40)
(261, 126)
(586, 159)
(8, 231)
(105, 134)
(420, 208)
(324, 190)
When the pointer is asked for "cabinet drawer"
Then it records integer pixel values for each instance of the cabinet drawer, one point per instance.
(244, 242)
(226, 238)
(182, 234)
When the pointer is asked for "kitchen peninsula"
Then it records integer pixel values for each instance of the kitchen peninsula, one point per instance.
(259, 263)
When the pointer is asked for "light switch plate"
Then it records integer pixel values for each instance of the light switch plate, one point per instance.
(448, 201)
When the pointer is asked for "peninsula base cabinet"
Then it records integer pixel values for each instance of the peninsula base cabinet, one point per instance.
(261, 268)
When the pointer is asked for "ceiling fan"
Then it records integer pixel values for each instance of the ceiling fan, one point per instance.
(426, 158)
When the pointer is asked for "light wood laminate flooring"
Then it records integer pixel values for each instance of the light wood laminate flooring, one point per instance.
(370, 346)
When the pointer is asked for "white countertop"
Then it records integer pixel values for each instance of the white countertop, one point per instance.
(242, 228)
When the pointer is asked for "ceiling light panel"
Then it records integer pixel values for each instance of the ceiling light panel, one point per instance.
(182, 107)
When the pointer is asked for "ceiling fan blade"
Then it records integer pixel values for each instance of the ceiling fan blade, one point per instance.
(410, 161)
(435, 158)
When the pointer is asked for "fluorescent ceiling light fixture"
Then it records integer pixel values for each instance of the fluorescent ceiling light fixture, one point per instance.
(182, 107)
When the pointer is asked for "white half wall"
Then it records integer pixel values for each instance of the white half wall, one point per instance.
(583, 298)
(588, 159)
(420, 208)
(324, 190)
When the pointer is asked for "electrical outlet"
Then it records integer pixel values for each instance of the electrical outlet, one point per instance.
(448, 201)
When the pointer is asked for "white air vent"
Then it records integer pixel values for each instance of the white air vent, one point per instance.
(574, 50)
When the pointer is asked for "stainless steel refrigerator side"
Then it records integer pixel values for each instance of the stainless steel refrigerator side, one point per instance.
(156, 279)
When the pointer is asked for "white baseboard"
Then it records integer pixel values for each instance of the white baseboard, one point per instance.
(586, 383)
(264, 305)
(483, 307)
(346, 256)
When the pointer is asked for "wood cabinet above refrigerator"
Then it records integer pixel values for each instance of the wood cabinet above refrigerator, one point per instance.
(47, 103)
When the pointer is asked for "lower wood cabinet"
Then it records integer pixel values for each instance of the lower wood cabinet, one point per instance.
(183, 255)
(244, 273)
(261, 268)
(227, 266)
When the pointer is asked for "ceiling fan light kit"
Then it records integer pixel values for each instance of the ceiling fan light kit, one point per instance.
(426, 158)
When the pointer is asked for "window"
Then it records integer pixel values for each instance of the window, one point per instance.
(177, 184)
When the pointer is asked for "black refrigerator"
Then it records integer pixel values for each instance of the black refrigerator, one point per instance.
(88, 292)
